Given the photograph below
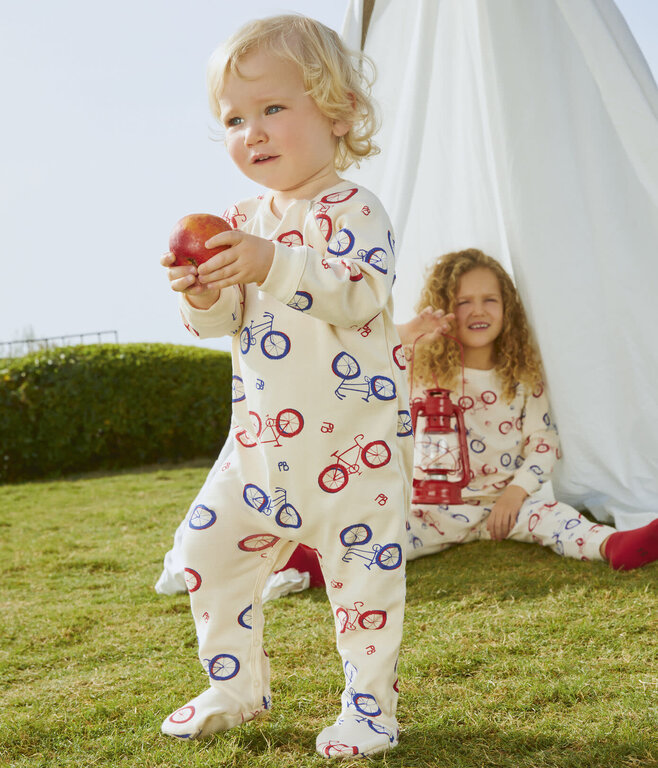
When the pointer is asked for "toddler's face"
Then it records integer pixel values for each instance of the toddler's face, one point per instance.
(275, 133)
(478, 309)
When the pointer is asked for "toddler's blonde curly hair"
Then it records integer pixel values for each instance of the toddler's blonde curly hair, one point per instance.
(338, 80)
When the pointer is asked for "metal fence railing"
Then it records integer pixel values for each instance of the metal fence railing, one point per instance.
(25, 346)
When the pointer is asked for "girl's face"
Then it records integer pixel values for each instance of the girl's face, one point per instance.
(479, 316)
(275, 133)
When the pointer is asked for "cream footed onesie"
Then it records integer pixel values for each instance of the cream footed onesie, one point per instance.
(322, 455)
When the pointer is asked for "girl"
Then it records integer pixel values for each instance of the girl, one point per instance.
(512, 441)
(304, 288)
(513, 444)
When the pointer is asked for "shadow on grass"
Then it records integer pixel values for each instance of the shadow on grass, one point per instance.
(500, 571)
(445, 745)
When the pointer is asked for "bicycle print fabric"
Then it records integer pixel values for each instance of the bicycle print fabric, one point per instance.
(323, 452)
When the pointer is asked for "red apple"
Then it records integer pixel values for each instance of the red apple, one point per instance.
(188, 237)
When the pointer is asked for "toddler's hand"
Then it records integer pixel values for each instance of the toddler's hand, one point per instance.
(247, 260)
(505, 511)
(426, 327)
(185, 280)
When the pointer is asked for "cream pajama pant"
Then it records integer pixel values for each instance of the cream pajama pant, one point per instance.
(236, 535)
(548, 523)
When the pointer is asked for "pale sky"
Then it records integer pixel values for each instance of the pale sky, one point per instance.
(106, 141)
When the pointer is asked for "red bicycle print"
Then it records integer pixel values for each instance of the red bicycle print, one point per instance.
(331, 748)
(257, 542)
(182, 715)
(234, 216)
(192, 579)
(274, 344)
(348, 369)
(292, 238)
(374, 455)
(399, 357)
(466, 403)
(285, 514)
(288, 423)
(339, 197)
(350, 618)
(325, 224)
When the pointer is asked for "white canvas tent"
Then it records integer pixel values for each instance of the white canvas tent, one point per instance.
(529, 129)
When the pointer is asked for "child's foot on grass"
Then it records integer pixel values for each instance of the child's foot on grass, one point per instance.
(204, 715)
(350, 736)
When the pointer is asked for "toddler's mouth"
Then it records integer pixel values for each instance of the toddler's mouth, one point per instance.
(263, 158)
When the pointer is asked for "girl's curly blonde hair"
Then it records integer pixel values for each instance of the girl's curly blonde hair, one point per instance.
(517, 358)
(338, 80)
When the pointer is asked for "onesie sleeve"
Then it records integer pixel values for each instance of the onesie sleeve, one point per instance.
(540, 448)
(224, 318)
(347, 280)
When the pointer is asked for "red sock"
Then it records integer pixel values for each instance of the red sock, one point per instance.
(306, 559)
(626, 550)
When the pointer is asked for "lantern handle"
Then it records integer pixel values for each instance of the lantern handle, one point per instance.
(461, 356)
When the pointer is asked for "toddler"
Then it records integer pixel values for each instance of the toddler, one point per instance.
(318, 385)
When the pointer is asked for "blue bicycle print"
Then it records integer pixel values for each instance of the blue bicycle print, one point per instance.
(376, 257)
(274, 344)
(301, 301)
(388, 557)
(286, 515)
(202, 517)
(348, 369)
(224, 666)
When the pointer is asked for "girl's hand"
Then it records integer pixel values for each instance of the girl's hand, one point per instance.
(185, 280)
(426, 327)
(247, 260)
(505, 511)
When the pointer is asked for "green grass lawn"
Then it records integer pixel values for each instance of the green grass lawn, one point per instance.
(511, 655)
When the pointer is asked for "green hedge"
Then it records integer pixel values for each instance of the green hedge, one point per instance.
(75, 409)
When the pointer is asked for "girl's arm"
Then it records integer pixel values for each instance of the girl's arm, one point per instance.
(540, 452)
(541, 447)
(425, 327)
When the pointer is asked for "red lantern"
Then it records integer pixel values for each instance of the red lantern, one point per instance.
(443, 449)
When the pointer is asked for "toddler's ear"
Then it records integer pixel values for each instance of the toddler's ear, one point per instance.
(341, 127)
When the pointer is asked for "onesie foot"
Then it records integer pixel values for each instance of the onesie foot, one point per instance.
(204, 715)
(355, 736)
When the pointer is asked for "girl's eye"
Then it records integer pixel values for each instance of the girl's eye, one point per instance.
(233, 121)
(272, 110)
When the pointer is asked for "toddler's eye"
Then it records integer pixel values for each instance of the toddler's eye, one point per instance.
(272, 110)
(233, 121)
